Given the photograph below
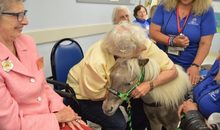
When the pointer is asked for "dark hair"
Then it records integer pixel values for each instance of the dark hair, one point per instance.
(137, 8)
(193, 120)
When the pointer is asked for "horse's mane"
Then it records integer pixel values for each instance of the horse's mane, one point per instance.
(169, 94)
(152, 69)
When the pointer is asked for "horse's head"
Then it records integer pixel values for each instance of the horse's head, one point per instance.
(123, 78)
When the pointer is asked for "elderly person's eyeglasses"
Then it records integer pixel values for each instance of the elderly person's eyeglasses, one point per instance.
(20, 15)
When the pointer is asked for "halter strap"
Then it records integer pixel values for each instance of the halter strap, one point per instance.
(125, 96)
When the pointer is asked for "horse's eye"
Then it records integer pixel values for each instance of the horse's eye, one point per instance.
(127, 84)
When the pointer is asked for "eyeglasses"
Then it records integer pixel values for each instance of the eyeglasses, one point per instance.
(20, 15)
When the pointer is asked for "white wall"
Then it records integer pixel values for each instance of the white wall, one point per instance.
(50, 20)
(64, 13)
(215, 48)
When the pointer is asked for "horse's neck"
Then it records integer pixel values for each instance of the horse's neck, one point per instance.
(152, 70)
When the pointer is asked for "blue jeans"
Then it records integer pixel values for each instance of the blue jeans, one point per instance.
(92, 111)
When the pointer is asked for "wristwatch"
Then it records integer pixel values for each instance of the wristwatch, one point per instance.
(196, 65)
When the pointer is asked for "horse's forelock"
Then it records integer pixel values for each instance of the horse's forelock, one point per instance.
(131, 65)
(152, 68)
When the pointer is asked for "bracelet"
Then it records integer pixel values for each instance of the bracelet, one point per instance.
(170, 41)
(196, 65)
(151, 85)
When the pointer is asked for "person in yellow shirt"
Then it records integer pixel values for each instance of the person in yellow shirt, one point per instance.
(139, 119)
(90, 78)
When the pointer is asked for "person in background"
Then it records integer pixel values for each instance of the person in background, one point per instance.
(91, 78)
(184, 29)
(140, 121)
(151, 14)
(192, 119)
(140, 14)
(27, 101)
(206, 96)
(121, 13)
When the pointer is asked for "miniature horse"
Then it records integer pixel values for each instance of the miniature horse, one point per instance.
(166, 98)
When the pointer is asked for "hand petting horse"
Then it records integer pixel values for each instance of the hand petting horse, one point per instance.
(160, 104)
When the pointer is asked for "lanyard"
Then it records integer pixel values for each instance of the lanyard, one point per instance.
(180, 29)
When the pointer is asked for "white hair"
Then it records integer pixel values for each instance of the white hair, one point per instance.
(5, 4)
(125, 40)
(116, 10)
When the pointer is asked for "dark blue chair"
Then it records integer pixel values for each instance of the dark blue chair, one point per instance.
(64, 55)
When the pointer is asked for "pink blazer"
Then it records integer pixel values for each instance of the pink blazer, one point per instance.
(27, 102)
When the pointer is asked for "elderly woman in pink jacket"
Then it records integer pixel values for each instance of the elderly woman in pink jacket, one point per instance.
(26, 100)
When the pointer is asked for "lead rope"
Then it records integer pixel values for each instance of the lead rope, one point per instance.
(129, 115)
(125, 96)
(182, 118)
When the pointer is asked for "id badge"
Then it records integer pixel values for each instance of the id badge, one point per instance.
(173, 51)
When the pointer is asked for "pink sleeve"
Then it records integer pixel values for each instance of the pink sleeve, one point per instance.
(55, 101)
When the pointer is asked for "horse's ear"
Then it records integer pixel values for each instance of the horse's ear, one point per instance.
(143, 62)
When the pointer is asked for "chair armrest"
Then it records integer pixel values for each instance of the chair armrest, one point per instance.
(68, 93)
(66, 90)
(57, 83)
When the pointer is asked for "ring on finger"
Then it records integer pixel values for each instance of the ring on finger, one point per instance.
(77, 120)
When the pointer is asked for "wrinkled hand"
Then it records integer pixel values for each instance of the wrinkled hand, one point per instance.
(76, 124)
(181, 41)
(187, 106)
(194, 75)
(66, 115)
(141, 90)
